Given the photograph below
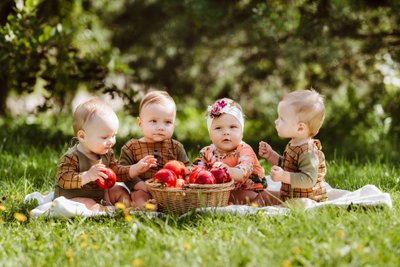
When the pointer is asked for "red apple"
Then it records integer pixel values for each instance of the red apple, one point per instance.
(166, 177)
(205, 177)
(193, 175)
(109, 181)
(221, 175)
(177, 167)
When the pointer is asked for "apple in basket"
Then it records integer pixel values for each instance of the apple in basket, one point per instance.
(221, 175)
(109, 181)
(165, 176)
(205, 177)
(193, 175)
(178, 167)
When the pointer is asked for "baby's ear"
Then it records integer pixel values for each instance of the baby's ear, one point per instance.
(138, 120)
(80, 135)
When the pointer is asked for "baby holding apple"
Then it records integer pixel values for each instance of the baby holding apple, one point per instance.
(148, 154)
(86, 172)
(302, 167)
(225, 122)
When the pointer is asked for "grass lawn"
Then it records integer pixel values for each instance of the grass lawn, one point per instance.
(324, 237)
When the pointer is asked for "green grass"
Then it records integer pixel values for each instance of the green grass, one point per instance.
(328, 236)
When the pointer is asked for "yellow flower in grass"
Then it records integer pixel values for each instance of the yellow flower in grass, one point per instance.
(150, 206)
(12, 197)
(20, 217)
(83, 245)
(340, 234)
(120, 206)
(286, 263)
(296, 250)
(128, 218)
(2, 208)
(187, 246)
(137, 262)
(70, 254)
(253, 204)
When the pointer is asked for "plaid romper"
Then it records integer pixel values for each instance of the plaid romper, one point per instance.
(69, 174)
(135, 149)
(290, 163)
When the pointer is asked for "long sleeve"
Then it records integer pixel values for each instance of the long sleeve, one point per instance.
(121, 171)
(307, 175)
(68, 176)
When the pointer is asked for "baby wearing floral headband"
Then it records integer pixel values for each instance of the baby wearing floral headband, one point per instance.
(225, 123)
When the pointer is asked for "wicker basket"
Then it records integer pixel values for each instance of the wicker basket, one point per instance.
(181, 200)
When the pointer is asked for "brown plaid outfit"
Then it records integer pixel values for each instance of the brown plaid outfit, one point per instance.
(135, 149)
(290, 163)
(69, 174)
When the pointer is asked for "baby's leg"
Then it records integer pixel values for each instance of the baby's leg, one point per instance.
(264, 198)
(89, 203)
(139, 198)
(268, 198)
(117, 194)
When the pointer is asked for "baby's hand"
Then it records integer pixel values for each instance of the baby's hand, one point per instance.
(276, 173)
(143, 165)
(95, 172)
(220, 165)
(264, 149)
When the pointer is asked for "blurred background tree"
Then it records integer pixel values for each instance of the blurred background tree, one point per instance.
(200, 50)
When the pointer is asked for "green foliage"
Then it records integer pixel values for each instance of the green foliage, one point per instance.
(41, 49)
(251, 51)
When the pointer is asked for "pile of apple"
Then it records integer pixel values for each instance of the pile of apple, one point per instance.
(174, 173)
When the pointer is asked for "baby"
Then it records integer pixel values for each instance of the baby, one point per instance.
(302, 167)
(148, 154)
(225, 123)
(95, 126)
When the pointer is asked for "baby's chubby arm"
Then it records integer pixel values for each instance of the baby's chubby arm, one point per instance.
(279, 175)
(142, 166)
(266, 151)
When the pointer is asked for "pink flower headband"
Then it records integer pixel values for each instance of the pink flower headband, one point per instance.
(224, 106)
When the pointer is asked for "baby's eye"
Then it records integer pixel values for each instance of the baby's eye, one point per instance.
(153, 121)
(168, 122)
(234, 126)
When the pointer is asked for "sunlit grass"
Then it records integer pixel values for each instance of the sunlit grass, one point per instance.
(328, 236)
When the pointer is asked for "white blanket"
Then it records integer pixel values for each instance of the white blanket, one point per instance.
(367, 196)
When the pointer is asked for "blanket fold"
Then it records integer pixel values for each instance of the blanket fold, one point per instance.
(366, 196)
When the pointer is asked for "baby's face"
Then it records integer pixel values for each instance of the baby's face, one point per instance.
(157, 121)
(99, 134)
(226, 133)
(287, 123)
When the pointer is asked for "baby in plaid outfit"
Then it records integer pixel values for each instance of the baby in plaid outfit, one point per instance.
(95, 126)
(148, 154)
(302, 167)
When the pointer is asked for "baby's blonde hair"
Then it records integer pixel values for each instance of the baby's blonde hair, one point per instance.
(308, 105)
(86, 111)
(156, 97)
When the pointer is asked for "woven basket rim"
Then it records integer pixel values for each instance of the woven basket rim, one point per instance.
(217, 187)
